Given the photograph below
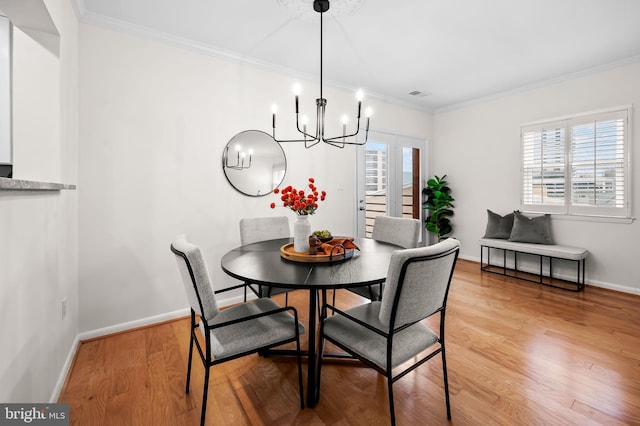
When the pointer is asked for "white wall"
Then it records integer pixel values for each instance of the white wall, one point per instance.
(38, 231)
(154, 120)
(478, 147)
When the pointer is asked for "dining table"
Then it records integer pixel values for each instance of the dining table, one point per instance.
(263, 263)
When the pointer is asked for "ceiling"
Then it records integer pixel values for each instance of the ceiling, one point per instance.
(453, 51)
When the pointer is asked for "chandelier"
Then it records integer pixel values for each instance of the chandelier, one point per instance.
(311, 139)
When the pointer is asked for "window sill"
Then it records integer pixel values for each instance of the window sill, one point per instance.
(585, 218)
(7, 184)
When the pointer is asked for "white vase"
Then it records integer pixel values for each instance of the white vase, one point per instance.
(301, 232)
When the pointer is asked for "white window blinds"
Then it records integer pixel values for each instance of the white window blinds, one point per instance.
(578, 165)
(543, 163)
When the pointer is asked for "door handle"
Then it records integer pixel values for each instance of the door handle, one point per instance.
(361, 209)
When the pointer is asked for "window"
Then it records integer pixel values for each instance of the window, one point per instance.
(578, 165)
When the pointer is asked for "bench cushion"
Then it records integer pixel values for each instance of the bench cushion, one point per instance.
(551, 250)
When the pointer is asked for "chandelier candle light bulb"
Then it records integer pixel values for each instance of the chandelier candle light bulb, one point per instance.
(345, 120)
(274, 111)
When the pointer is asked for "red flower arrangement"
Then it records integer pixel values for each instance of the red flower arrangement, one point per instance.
(301, 202)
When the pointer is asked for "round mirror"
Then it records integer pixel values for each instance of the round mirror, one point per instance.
(254, 163)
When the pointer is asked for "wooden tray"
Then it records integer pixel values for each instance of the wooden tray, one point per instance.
(287, 252)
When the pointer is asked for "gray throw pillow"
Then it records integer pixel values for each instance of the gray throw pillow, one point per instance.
(498, 226)
(531, 229)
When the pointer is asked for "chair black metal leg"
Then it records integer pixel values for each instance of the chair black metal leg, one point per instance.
(322, 317)
(392, 412)
(189, 363)
(300, 373)
(191, 337)
(322, 302)
(333, 301)
(204, 395)
(446, 384)
(320, 350)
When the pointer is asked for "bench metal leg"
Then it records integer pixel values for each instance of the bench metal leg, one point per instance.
(551, 267)
(504, 261)
(580, 275)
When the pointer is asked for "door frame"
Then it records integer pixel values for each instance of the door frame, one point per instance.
(395, 142)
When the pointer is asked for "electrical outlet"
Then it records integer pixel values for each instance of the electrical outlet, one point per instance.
(64, 308)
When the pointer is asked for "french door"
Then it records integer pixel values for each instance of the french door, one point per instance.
(389, 179)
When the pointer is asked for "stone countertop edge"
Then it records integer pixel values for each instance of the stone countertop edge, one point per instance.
(7, 184)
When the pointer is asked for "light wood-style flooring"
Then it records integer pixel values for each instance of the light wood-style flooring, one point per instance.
(518, 354)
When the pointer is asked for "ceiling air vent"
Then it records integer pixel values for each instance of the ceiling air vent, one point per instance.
(419, 94)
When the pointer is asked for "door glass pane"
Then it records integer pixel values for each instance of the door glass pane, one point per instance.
(376, 155)
(410, 182)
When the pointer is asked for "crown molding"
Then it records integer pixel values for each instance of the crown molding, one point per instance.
(540, 84)
(87, 17)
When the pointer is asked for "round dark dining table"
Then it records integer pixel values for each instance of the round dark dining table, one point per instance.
(261, 263)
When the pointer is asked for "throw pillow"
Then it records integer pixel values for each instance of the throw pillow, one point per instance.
(498, 226)
(531, 229)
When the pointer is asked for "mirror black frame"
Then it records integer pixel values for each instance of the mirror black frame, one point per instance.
(240, 170)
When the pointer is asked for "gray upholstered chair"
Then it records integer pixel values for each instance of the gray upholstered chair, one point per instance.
(399, 231)
(385, 334)
(233, 332)
(255, 229)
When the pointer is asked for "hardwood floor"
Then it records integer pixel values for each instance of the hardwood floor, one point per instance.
(517, 353)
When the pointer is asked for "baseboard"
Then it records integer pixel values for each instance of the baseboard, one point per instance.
(62, 377)
(116, 328)
(615, 287)
(593, 283)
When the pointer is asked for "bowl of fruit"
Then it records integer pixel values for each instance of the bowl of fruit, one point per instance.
(323, 235)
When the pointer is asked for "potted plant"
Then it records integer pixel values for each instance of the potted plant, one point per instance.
(439, 204)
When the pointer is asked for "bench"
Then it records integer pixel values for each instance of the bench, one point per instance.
(551, 252)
